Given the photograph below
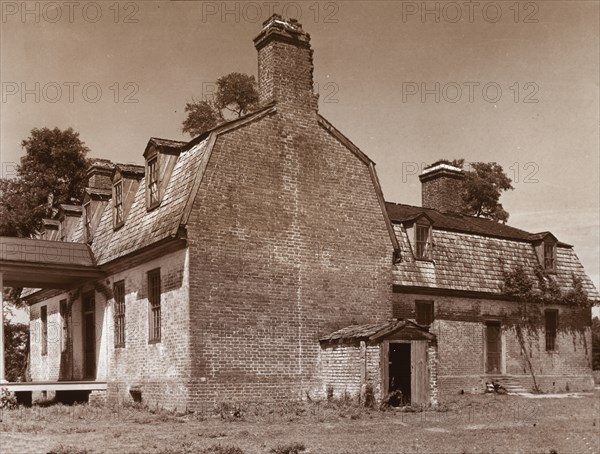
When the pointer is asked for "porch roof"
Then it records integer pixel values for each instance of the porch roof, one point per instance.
(379, 331)
(27, 262)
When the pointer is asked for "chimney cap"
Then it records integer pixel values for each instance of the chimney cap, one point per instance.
(290, 30)
(278, 21)
(99, 166)
(441, 168)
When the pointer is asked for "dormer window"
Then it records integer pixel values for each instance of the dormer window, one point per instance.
(153, 196)
(544, 244)
(549, 256)
(423, 242)
(119, 220)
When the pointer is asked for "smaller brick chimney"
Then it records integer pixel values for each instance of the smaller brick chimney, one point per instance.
(97, 194)
(285, 64)
(100, 174)
(441, 187)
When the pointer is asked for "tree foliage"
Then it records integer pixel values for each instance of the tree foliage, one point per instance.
(16, 345)
(52, 172)
(16, 336)
(236, 95)
(596, 343)
(482, 187)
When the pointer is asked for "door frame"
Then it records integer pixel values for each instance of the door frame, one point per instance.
(91, 294)
(501, 346)
(385, 368)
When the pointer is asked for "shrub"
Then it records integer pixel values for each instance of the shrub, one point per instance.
(293, 448)
(8, 400)
(329, 393)
(369, 396)
(220, 449)
(68, 450)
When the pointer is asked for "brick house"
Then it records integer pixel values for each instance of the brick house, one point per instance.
(452, 279)
(259, 261)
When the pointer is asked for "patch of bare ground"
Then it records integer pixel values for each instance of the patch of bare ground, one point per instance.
(468, 424)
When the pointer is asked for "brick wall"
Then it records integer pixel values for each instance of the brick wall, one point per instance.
(343, 366)
(341, 369)
(287, 242)
(441, 192)
(460, 330)
(160, 370)
(346, 368)
(45, 367)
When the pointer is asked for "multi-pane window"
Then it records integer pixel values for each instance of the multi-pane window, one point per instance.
(424, 312)
(153, 181)
(154, 305)
(551, 316)
(119, 203)
(44, 323)
(549, 256)
(423, 242)
(119, 295)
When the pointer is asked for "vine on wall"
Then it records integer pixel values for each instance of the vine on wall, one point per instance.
(532, 295)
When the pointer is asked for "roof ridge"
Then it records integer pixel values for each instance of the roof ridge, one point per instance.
(465, 223)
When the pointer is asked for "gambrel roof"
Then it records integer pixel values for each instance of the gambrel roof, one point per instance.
(472, 255)
(144, 228)
(399, 212)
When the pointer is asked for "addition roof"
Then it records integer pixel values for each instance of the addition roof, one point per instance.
(376, 331)
(400, 213)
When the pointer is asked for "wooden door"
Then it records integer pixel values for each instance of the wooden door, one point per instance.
(89, 336)
(493, 344)
(420, 373)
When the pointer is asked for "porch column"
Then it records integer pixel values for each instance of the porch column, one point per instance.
(2, 380)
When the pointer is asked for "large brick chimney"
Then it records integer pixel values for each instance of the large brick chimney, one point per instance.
(441, 185)
(285, 64)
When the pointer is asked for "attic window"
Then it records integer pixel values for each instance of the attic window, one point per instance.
(423, 242)
(549, 256)
(153, 199)
(118, 198)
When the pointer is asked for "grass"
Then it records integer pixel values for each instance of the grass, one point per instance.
(466, 425)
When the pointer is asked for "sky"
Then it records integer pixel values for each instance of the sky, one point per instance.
(408, 82)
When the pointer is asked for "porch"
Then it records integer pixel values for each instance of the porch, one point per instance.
(41, 264)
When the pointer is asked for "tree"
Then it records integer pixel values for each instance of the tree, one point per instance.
(596, 343)
(482, 187)
(16, 336)
(236, 95)
(52, 172)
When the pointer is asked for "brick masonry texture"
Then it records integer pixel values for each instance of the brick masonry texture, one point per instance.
(299, 249)
(342, 367)
(281, 239)
(160, 370)
(460, 330)
(442, 193)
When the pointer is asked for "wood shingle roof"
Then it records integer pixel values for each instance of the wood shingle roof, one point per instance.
(473, 262)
